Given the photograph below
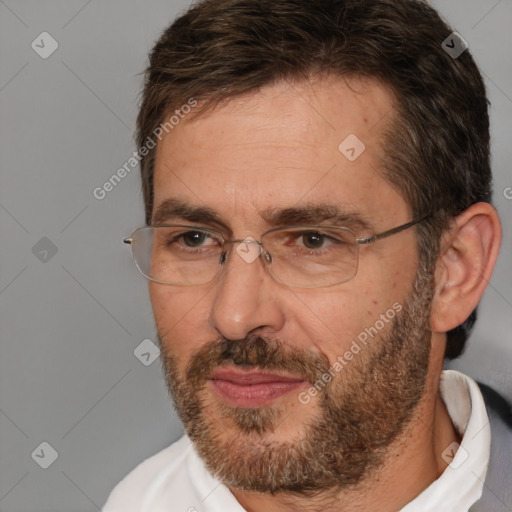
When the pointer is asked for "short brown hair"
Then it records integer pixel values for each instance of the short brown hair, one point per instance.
(437, 152)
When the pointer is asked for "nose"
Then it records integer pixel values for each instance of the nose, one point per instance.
(246, 298)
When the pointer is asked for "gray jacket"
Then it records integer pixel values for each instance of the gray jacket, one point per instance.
(497, 493)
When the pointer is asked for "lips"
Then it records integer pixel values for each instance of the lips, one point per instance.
(254, 388)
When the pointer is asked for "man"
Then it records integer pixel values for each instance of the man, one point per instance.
(318, 237)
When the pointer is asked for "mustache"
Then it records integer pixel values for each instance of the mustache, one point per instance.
(255, 352)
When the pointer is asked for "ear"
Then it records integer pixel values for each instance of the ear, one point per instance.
(468, 253)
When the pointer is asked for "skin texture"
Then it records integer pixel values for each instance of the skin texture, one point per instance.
(278, 148)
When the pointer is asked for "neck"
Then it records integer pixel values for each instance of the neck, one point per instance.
(412, 463)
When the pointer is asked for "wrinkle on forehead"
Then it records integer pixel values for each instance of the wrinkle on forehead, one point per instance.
(280, 147)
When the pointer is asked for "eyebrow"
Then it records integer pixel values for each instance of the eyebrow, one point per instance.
(308, 214)
(172, 209)
(316, 213)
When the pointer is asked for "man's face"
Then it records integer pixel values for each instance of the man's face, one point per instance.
(242, 352)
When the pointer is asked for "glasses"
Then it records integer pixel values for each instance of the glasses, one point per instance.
(296, 256)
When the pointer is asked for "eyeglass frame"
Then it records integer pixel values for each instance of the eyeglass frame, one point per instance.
(264, 254)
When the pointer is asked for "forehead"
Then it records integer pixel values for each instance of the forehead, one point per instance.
(286, 144)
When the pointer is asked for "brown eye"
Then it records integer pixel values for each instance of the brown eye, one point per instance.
(193, 238)
(313, 240)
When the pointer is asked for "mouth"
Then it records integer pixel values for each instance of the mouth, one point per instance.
(253, 388)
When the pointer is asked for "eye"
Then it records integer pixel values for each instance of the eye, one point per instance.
(194, 238)
(314, 240)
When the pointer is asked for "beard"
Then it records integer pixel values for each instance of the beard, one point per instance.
(353, 421)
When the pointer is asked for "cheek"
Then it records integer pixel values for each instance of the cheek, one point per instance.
(333, 319)
(180, 318)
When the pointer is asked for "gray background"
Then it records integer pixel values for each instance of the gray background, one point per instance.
(70, 321)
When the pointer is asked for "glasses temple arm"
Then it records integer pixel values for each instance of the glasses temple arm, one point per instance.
(391, 231)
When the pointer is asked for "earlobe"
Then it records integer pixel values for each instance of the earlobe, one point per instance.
(469, 251)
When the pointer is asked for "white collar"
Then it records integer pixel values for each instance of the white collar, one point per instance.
(461, 484)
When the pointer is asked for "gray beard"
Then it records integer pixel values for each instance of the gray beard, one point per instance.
(362, 410)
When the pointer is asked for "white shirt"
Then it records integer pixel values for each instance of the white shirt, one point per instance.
(176, 480)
